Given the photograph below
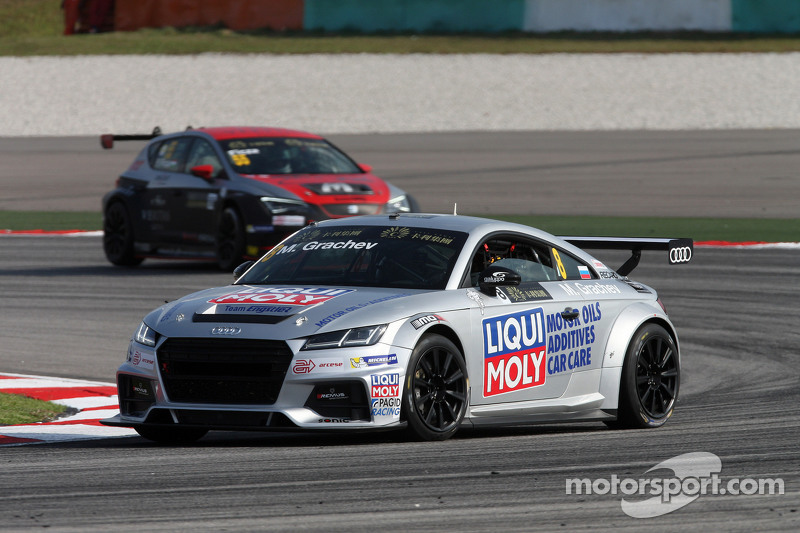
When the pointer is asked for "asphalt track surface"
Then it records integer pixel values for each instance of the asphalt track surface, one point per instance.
(66, 312)
(749, 173)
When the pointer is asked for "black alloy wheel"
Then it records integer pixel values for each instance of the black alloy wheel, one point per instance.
(436, 389)
(118, 236)
(230, 240)
(650, 379)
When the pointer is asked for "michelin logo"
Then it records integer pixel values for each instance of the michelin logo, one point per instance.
(373, 360)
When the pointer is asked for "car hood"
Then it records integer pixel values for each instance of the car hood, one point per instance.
(321, 189)
(286, 312)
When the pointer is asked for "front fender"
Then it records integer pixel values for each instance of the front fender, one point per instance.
(626, 324)
(622, 331)
(448, 324)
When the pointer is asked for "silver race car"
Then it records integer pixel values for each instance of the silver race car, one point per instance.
(415, 321)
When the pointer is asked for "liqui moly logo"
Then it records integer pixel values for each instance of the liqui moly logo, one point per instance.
(385, 385)
(515, 352)
(278, 295)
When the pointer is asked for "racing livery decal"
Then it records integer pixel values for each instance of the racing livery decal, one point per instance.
(356, 307)
(373, 360)
(569, 342)
(515, 352)
(595, 288)
(529, 292)
(385, 395)
(302, 296)
(385, 385)
(425, 320)
(316, 245)
(141, 360)
(305, 366)
(385, 407)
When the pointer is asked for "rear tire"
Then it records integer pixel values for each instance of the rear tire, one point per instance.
(230, 240)
(436, 389)
(168, 435)
(650, 380)
(118, 236)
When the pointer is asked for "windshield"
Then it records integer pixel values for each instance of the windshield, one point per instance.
(287, 155)
(362, 256)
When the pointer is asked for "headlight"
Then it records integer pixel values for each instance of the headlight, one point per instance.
(398, 203)
(145, 335)
(343, 338)
(281, 205)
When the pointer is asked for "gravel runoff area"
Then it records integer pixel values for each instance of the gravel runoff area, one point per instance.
(364, 93)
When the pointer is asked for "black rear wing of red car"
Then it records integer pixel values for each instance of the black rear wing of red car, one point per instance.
(679, 251)
(107, 139)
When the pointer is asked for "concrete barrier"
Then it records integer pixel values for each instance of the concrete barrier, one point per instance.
(627, 15)
(465, 16)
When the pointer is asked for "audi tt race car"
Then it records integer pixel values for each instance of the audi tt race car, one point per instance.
(233, 192)
(416, 321)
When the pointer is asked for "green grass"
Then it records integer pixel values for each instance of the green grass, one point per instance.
(200, 40)
(699, 229)
(35, 27)
(50, 220)
(16, 409)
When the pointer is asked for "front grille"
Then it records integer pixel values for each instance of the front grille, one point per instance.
(228, 419)
(232, 318)
(348, 210)
(223, 371)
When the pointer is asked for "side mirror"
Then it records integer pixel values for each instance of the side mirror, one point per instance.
(365, 168)
(203, 171)
(241, 269)
(497, 276)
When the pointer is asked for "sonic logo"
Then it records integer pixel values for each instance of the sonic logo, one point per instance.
(515, 352)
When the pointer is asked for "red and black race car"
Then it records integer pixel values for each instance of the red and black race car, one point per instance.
(233, 192)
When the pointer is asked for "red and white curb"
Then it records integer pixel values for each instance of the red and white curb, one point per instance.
(93, 400)
(51, 233)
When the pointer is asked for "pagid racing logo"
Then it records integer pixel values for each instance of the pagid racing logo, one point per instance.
(515, 352)
(386, 407)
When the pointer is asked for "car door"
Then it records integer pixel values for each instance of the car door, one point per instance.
(582, 348)
(513, 329)
(577, 345)
(189, 200)
(203, 194)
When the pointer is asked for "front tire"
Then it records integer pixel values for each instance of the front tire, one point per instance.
(650, 379)
(168, 435)
(118, 236)
(436, 389)
(230, 240)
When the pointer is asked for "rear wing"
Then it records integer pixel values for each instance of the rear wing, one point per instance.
(107, 139)
(678, 250)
